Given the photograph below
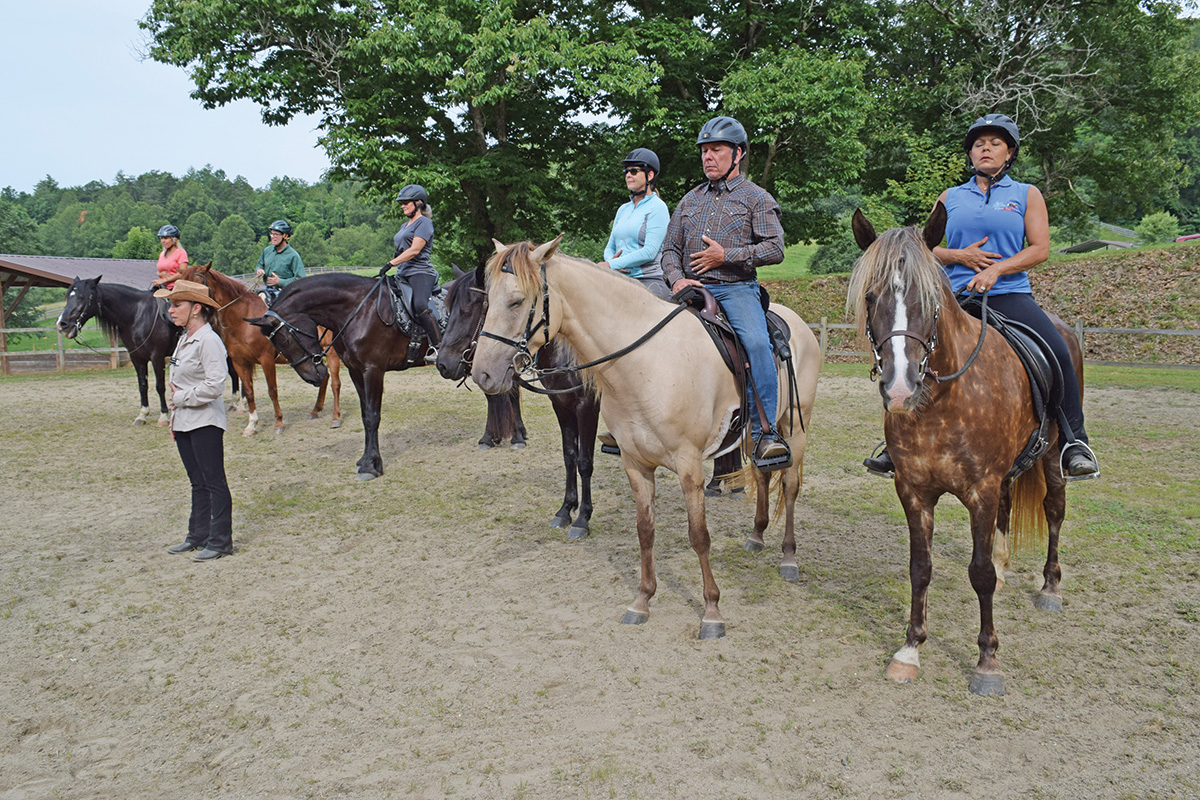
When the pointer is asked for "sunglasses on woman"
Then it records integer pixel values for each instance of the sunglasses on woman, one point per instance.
(633, 170)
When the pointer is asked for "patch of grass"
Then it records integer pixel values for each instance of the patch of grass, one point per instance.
(794, 264)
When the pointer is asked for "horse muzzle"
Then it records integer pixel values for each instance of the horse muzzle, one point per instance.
(493, 382)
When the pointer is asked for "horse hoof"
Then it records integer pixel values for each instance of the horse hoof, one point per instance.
(1048, 602)
(711, 630)
(278, 430)
(484, 446)
(789, 572)
(162, 423)
(712, 491)
(337, 423)
(366, 476)
(249, 432)
(901, 672)
(986, 684)
(313, 415)
(517, 446)
(560, 521)
(634, 617)
(753, 545)
(577, 533)
(137, 422)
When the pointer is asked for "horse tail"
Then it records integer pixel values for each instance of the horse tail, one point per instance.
(1028, 518)
(743, 478)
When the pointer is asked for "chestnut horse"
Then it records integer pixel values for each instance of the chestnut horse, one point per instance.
(956, 434)
(669, 401)
(137, 319)
(247, 346)
(366, 336)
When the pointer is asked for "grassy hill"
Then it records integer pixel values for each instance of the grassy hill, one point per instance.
(1145, 287)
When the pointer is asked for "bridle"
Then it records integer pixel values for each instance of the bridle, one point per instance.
(522, 361)
(930, 343)
(318, 358)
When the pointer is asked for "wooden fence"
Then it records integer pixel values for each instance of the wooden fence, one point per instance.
(831, 335)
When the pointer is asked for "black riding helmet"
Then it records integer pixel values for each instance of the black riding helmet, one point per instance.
(168, 230)
(412, 193)
(729, 131)
(1006, 128)
(282, 226)
(642, 157)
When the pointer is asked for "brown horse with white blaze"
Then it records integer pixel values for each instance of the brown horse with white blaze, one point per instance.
(668, 401)
(954, 424)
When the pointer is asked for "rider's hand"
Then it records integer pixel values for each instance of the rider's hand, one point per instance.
(385, 269)
(258, 273)
(973, 257)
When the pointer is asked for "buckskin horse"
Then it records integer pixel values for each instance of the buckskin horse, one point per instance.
(668, 398)
(365, 332)
(247, 346)
(954, 424)
(137, 319)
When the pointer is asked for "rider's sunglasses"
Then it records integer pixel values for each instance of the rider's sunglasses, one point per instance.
(633, 170)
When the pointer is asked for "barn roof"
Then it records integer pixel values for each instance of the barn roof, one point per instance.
(18, 270)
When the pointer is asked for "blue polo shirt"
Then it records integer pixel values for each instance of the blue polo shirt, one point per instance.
(970, 216)
(637, 234)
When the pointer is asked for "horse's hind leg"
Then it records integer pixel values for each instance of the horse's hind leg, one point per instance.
(246, 375)
(587, 419)
(569, 431)
(987, 678)
(517, 441)
(762, 509)
(1001, 546)
(1055, 505)
(793, 476)
(143, 392)
(268, 368)
(335, 381)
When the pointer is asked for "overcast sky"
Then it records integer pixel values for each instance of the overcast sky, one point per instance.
(76, 103)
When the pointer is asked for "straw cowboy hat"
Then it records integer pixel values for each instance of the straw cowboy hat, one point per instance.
(187, 290)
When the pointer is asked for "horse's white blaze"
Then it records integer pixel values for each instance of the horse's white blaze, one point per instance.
(907, 655)
(900, 323)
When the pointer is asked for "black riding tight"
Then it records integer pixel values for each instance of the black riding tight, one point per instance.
(1023, 308)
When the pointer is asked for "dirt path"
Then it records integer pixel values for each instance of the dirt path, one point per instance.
(427, 635)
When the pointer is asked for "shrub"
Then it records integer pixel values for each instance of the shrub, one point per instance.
(1160, 227)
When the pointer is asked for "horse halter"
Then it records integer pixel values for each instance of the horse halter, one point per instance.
(318, 359)
(522, 361)
(467, 359)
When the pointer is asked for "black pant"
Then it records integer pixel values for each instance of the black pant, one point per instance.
(1023, 308)
(422, 286)
(203, 454)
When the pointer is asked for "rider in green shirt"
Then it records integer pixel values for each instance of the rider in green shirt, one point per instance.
(279, 264)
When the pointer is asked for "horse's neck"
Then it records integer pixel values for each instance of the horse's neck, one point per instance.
(601, 312)
(120, 306)
(331, 307)
(958, 333)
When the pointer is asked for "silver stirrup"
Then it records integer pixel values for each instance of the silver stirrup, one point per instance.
(1090, 451)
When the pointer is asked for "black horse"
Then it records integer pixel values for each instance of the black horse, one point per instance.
(139, 321)
(359, 311)
(577, 407)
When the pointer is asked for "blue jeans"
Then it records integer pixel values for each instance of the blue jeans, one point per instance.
(741, 304)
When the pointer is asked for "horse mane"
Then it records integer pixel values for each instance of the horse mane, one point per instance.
(899, 258)
(518, 257)
(234, 287)
(121, 296)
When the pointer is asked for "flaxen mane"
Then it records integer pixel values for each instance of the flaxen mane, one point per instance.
(899, 258)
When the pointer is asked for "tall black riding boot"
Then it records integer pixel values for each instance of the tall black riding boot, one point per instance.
(429, 324)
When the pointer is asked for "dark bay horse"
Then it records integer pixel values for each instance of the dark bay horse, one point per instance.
(247, 346)
(576, 407)
(954, 435)
(668, 402)
(366, 336)
(137, 319)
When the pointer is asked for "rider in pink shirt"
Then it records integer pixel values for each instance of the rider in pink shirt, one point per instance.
(172, 258)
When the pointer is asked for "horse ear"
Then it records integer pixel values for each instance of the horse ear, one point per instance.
(458, 273)
(935, 226)
(206, 267)
(261, 322)
(545, 251)
(499, 245)
(480, 275)
(864, 231)
(98, 277)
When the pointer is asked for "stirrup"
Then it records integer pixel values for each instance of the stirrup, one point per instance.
(1062, 462)
(773, 462)
(880, 450)
(608, 443)
(431, 355)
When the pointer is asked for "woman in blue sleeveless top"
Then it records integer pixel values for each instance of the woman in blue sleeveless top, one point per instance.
(996, 229)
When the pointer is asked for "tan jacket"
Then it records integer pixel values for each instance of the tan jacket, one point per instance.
(198, 371)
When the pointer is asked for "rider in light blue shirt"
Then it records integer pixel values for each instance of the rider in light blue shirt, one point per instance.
(640, 227)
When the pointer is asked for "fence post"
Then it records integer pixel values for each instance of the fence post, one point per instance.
(1079, 336)
(824, 336)
(60, 355)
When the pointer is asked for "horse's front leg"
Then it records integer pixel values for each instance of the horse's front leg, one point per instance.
(569, 432)
(160, 386)
(139, 368)
(587, 419)
(517, 442)
(987, 679)
(906, 663)
(268, 368)
(691, 480)
(370, 394)
(641, 480)
(245, 373)
(335, 381)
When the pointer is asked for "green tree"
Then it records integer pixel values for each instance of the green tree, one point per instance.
(234, 249)
(18, 232)
(1162, 226)
(196, 235)
(310, 245)
(138, 243)
(359, 246)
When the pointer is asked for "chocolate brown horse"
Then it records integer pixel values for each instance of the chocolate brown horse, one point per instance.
(954, 426)
(247, 346)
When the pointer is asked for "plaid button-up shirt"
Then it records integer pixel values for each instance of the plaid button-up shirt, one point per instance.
(740, 216)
